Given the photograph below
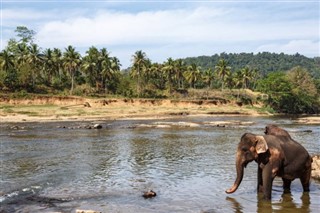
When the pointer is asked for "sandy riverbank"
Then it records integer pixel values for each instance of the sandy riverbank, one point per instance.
(77, 108)
(46, 109)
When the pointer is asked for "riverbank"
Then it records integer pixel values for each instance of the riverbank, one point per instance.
(70, 108)
(45, 108)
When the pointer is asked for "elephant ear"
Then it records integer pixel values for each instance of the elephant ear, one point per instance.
(261, 144)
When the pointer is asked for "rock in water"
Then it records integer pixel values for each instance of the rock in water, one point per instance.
(97, 126)
(87, 211)
(149, 194)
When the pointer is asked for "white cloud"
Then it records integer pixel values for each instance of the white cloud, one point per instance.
(114, 28)
(305, 47)
(163, 27)
(182, 32)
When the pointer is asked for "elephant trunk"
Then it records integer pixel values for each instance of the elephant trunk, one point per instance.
(240, 168)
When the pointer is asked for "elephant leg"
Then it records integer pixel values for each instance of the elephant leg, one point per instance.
(305, 180)
(286, 185)
(267, 179)
(260, 183)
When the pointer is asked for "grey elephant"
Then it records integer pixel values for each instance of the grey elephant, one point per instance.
(275, 156)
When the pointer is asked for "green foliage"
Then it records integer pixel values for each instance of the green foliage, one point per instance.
(265, 62)
(126, 86)
(84, 90)
(25, 35)
(292, 93)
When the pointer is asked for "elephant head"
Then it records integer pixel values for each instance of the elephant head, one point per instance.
(272, 129)
(249, 147)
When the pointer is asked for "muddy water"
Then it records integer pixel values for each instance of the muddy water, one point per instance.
(189, 162)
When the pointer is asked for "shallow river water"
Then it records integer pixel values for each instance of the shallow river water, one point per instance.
(188, 161)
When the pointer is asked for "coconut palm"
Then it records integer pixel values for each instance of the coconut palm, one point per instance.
(222, 70)
(71, 62)
(139, 64)
(110, 70)
(238, 79)
(208, 77)
(21, 54)
(255, 76)
(90, 65)
(6, 60)
(34, 58)
(57, 62)
(193, 74)
(169, 71)
(105, 61)
(157, 75)
(48, 65)
(8, 73)
(246, 76)
(180, 68)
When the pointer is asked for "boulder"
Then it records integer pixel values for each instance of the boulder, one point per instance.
(315, 167)
(149, 194)
(97, 126)
(87, 211)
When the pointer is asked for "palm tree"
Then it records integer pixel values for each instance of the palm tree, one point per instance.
(209, 77)
(180, 68)
(57, 62)
(22, 52)
(48, 66)
(169, 71)
(71, 62)
(254, 77)
(223, 70)
(238, 80)
(246, 76)
(110, 70)
(157, 75)
(7, 61)
(7, 65)
(193, 74)
(91, 66)
(34, 58)
(105, 63)
(139, 65)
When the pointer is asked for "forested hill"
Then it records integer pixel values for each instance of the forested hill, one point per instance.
(265, 62)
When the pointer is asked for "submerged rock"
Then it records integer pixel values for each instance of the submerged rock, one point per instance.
(229, 123)
(87, 211)
(149, 194)
(97, 126)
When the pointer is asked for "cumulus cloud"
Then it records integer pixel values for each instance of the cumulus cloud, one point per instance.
(114, 28)
(165, 26)
(172, 32)
(305, 47)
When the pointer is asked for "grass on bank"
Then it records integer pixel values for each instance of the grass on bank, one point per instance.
(229, 102)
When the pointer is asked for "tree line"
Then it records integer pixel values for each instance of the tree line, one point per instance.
(26, 67)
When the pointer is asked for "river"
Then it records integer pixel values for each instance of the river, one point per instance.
(188, 161)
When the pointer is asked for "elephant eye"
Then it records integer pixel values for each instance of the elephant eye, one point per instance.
(244, 149)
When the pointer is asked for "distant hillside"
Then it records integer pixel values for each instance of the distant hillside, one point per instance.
(265, 62)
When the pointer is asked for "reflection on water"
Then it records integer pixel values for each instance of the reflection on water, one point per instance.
(47, 169)
(287, 204)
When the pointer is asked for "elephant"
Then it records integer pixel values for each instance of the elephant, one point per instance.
(275, 156)
(272, 129)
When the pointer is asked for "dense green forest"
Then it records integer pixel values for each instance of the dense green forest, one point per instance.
(265, 62)
(291, 82)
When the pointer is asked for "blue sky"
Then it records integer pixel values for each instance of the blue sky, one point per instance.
(164, 29)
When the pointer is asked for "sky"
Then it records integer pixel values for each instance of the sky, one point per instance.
(167, 28)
